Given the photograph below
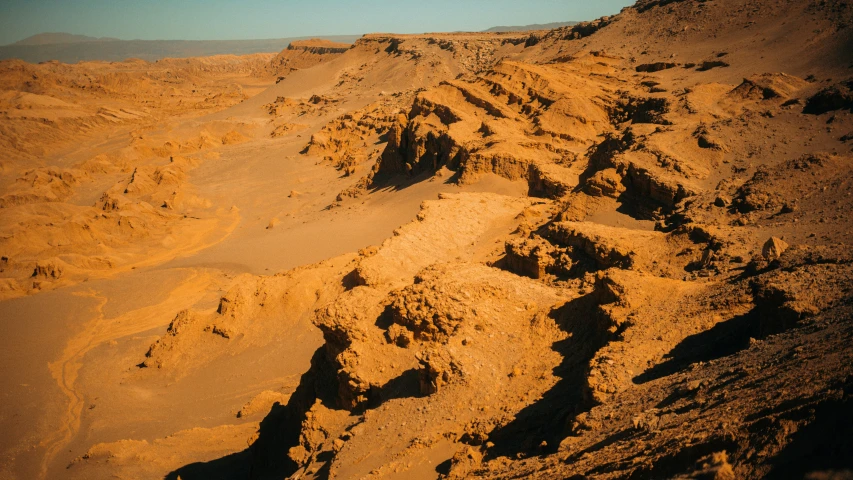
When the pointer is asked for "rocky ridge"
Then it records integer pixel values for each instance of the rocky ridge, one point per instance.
(662, 264)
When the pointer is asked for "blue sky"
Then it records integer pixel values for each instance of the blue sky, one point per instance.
(253, 19)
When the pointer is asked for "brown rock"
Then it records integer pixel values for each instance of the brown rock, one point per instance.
(464, 462)
(438, 368)
(605, 183)
(530, 256)
(773, 248)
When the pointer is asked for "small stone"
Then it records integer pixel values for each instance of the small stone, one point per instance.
(789, 208)
(773, 248)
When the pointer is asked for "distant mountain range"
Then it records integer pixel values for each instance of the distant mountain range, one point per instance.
(68, 48)
(71, 48)
(535, 26)
(58, 37)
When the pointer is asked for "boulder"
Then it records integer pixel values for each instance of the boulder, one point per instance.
(773, 248)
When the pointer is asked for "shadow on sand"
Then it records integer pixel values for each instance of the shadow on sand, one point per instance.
(267, 457)
(280, 430)
(539, 428)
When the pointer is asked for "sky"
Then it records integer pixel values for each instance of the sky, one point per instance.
(258, 19)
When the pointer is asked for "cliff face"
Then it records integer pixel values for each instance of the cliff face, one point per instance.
(318, 47)
(305, 54)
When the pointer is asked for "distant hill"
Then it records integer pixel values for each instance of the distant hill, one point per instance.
(535, 26)
(112, 50)
(55, 38)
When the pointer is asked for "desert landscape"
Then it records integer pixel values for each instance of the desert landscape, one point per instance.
(615, 249)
